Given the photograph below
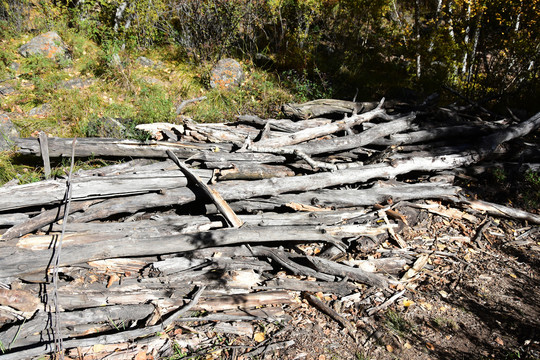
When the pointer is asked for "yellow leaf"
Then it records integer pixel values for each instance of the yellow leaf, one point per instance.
(389, 348)
(407, 302)
(259, 337)
(513, 275)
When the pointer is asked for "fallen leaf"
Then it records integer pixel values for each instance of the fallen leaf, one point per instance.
(499, 341)
(407, 345)
(430, 346)
(407, 302)
(389, 348)
(259, 337)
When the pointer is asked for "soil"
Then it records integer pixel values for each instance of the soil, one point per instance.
(471, 301)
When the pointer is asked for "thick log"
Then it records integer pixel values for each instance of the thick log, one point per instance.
(79, 248)
(328, 199)
(51, 192)
(354, 141)
(283, 125)
(313, 133)
(461, 131)
(220, 133)
(251, 171)
(43, 219)
(240, 190)
(90, 147)
(325, 107)
(75, 323)
(500, 210)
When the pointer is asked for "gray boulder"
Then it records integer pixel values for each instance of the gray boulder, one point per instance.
(146, 62)
(76, 83)
(6, 90)
(41, 111)
(49, 45)
(8, 133)
(226, 73)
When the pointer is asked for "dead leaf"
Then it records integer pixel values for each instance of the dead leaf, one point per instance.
(499, 341)
(407, 302)
(389, 348)
(430, 346)
(259, 337)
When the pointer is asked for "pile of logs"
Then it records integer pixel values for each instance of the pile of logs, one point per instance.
(230, 220)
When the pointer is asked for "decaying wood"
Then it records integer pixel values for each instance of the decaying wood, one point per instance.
(52, 192)
(43, 219)
(158, 237)
(322, 107)
(312, 133)
(82, 247)
(91, 147)
(214, 195)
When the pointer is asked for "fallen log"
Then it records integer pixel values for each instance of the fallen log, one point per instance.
(103, 147)
(52, 192)
(312, 133)
(325, 107)
(79, 248)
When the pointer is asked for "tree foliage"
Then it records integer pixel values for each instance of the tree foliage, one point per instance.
(480, 47)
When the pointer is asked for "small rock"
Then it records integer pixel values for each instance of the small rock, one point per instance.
(106, 127)
(15, 66)
(40, 111)
(152, 80)
(50, 45)
(226, 73)
(6, 90)
(76, 83)
(8, 132)
(146, 62)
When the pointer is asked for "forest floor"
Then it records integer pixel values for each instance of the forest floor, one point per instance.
(480, 301)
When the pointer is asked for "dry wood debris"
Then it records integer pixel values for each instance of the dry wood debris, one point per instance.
(291, 211)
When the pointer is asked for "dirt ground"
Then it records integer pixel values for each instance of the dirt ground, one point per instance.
(471, 301)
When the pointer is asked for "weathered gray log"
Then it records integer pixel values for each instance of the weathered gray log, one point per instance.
(43, 219)
(500, 210)
(78, 248)
(10, 219)
(339, 288)
(51, 192)
(220, 133)
(354, 141)
(461, 131)
(211, 193)
(283, 125)
(251, 171)
(222, 157)
(349, 198)
(355, 274)
(75, 323)
(239, 190)
(313, 133)
(88, 147)
(45, 346)
(325, 107)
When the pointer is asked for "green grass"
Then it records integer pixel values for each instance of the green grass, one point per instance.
(397, 323)
(127, 92)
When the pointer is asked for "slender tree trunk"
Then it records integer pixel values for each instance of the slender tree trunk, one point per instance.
(417, 31)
